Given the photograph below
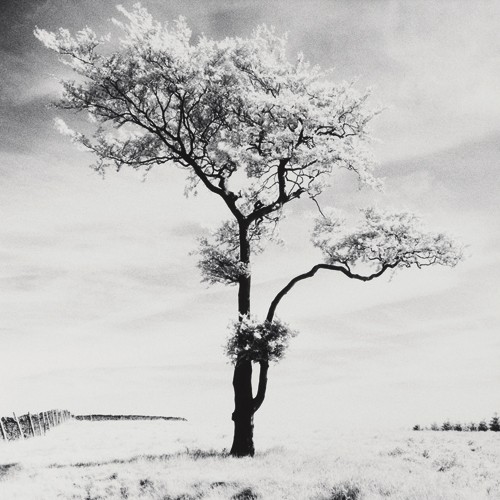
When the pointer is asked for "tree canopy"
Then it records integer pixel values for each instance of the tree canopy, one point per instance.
(250, 126)
(244, 122)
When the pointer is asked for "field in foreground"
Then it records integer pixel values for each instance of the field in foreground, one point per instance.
(175, 460)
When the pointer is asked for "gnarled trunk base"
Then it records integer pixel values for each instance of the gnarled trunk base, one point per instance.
(243, 410)
(243, 436)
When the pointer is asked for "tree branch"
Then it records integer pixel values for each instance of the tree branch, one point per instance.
(261, 391)
(343, 269)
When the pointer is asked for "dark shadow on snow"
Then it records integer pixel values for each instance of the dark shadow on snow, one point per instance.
(194, 454)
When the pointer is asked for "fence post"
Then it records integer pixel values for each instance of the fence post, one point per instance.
(39, 425)
(31, 424)
(18, 426)
(2, 428)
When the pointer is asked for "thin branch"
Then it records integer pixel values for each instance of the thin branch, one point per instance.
(319, 208)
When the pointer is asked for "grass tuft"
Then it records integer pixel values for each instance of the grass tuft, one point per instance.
(396, 452)
(5, 469)
(445, 463)
(198, 454)
(245, 494)
(145, 484)
(346, 490)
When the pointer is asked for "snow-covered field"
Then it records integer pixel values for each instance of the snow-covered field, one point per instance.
(176, 460)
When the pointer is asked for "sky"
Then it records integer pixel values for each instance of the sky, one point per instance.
(101, 302)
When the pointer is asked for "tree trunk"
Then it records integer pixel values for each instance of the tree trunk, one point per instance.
(242, 379)
(243, 437)
(243, 412)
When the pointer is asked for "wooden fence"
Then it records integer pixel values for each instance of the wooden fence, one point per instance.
(31, 424)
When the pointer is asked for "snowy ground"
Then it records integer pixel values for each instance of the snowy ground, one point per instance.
(176, 460)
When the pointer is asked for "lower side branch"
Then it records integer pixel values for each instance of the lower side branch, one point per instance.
(331, 267)
(261, 390)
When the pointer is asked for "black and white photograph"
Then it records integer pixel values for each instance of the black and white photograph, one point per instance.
(249, 250)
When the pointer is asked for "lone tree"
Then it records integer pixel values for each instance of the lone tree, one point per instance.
(255, 130)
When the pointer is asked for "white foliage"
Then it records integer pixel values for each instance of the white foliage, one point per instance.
(232, 106)
(219, 256)
(258, 341)
(396, 239)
